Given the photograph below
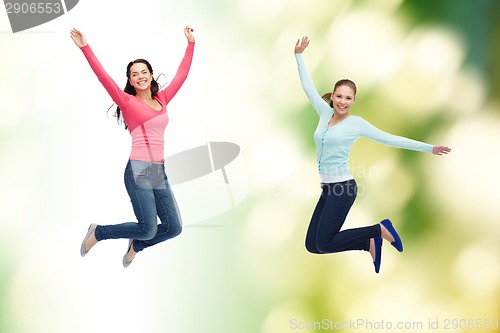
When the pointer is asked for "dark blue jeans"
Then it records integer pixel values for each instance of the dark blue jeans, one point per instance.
(324, 235)
(151, 196)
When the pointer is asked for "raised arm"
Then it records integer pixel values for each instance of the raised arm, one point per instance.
(317, 102)
(182, 73)
(117, 95)
(375, 134)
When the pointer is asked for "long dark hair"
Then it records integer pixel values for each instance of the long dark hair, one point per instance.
(129, 89)
(343, 82)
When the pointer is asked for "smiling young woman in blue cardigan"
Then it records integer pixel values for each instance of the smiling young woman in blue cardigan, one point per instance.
(336, 133)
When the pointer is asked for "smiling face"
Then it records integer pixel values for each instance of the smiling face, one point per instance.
(343, 98)
(140, 76)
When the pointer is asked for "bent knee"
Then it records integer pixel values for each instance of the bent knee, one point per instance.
(321, 247)
(312, 248)
(177, 230)
(147, 233)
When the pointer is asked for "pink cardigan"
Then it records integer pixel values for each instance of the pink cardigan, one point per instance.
(146, 125)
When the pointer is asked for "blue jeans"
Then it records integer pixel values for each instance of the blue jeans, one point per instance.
(324, 235)
(150, 193)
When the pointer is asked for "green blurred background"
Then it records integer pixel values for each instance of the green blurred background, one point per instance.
(427, 70)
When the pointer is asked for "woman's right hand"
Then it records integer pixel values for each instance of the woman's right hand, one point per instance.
(188, 32)
(301, 45)
(78, 38)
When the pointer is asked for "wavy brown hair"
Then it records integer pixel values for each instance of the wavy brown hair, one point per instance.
(129, 89)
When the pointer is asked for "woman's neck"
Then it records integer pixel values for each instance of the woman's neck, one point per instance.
(340, 117)
(145, 95)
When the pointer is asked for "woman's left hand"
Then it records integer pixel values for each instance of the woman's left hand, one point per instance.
(78, 37)
(440, 150)
(188, 32)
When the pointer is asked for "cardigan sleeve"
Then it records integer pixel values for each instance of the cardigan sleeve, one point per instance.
(169, 92)
(375, 134)
(317, 102)
(117, 95)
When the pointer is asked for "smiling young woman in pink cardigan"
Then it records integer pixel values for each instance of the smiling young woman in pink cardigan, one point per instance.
(143, 108)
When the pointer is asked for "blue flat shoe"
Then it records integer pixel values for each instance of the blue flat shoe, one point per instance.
(378, 253)
(398, 244)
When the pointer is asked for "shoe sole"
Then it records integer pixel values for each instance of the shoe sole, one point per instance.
(378, 253)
